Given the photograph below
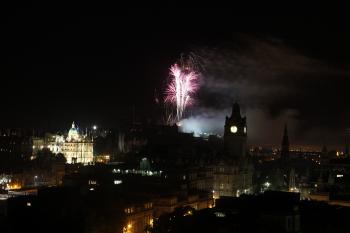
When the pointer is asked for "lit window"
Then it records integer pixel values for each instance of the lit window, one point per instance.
(148, 205)
(118, 181)
(220, 214)
(93, 182)
(267, 184)
(129, 210)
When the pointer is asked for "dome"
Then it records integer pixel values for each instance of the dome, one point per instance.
(73, 134)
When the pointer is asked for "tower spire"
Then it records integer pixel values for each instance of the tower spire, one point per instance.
(285, 144)
(236, 110)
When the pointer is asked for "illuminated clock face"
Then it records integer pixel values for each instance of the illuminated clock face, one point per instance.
(233, 129)
(245, 129)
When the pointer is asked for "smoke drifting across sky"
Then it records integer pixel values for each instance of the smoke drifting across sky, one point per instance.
(275, 84)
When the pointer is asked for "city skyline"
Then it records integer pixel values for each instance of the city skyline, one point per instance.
(174, 119)
(90, 67)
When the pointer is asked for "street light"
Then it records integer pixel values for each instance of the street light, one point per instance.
(94, 127)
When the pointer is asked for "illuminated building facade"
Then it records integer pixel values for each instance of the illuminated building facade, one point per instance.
(138, 217)
(77, 148)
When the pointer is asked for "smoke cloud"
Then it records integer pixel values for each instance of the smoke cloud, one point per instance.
(274, 84)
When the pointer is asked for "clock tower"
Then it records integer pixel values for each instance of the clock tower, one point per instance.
(235, 135)
(233, 174)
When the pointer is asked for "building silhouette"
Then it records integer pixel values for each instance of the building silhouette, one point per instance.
(235, 134)
(285, 145)
(233, 171)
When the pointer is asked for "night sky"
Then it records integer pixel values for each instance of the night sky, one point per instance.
(92, 63)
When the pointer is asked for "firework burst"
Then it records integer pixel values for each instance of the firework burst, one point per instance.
(181, 88)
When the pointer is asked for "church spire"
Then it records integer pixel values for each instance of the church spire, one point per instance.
(285, 144)
(324, 154)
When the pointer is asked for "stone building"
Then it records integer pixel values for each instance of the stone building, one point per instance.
(76, 147)
(233, 172)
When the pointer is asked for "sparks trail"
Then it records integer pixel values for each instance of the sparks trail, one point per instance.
(181, 88)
